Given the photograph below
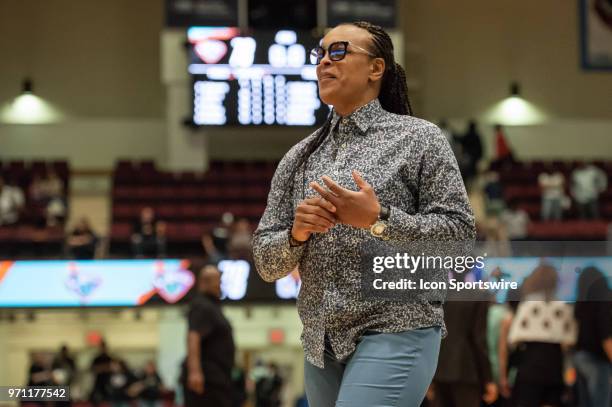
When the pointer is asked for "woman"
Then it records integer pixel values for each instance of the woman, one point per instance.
(541, 330)
(593, 354)
(387, 175)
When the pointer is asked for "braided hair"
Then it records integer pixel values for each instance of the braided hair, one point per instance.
(393, 96)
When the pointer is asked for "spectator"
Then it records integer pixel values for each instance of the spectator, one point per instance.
(515, 221)
(503, 153)
(149, 235)
(64, 368)
(506, 356)
(12, 202)
(593, 352)
(49, 191)
(268, 388)
(496, 242)
(210, 346)
(471, 151)
(55, 212)
(239, 245)
(239, 394)
(101, 369)
(553, 195)
(448, 133)
(588, 182)
(464, 375)
(149, 386)
(539, 332)
(494, 194)
(216, 243)
(37, 191)
(82, 241)
(120, 381)
(39, 374)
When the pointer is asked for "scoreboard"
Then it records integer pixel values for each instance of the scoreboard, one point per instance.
(261, 78)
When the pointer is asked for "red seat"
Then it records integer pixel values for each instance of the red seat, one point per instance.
(121, 231)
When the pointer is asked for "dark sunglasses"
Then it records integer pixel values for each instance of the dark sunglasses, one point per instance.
(336, 51)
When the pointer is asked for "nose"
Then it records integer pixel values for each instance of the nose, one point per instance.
(325, 60)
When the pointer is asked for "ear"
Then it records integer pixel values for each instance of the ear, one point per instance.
(377, 69)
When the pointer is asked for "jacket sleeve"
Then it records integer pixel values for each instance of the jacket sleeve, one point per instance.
(444, 212)
(274, 257)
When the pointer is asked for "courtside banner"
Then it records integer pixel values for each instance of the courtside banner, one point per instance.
(437, 271)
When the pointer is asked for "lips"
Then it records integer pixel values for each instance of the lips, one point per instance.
(326, 76)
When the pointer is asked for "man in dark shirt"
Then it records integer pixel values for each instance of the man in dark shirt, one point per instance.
(101, 368)
(210, 346)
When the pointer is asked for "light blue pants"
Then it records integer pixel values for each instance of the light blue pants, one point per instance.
(386, 370)
(593, 380)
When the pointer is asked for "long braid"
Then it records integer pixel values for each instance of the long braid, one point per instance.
(393, 94)
(310, 148)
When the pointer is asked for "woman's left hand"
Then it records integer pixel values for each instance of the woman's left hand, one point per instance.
(356, 208)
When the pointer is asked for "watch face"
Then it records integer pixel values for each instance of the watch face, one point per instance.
(378, 228)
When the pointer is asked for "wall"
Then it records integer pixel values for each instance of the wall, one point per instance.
(87, 144)
(89, 58)
(117, 78)
(472, 50)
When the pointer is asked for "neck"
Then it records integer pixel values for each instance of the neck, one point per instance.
(348, 108)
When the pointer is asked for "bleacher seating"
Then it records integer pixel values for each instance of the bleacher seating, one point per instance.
(190, 203)
(520, 184)
(30, 237)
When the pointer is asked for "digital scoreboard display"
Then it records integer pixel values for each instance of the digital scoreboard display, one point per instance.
(261, 78)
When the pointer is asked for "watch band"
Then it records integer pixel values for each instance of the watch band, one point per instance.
(384, 213)
(295, 243)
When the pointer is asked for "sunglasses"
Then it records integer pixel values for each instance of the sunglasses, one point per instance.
(336, 51)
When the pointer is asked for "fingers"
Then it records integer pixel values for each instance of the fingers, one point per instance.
(361, 183)
(333, 187)
(312, 220)
(317, 210)
(326, 194)
(322, 202)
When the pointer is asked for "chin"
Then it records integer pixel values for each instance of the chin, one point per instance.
(326, 96)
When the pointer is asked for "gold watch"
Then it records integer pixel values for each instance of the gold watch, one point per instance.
(379, 227)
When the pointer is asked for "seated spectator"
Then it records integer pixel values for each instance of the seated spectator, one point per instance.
(148, 387)
(53, 185)
(64, 368)
(49, 192)
(149, 235)
(494, 193)
(56, 207)
(82, 241)
(40, 373)
(553, 195)
(588, 182)
(55, 212)
(37, 191)
(216, 243)
(239, 245)
(515, 221)
(121, 379)
(12, 202)
(101, 369)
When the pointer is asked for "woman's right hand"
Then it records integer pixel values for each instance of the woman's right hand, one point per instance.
(313, 215)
